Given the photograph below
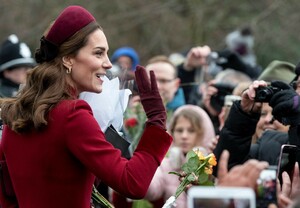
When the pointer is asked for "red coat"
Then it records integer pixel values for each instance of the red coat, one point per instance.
(57, 167)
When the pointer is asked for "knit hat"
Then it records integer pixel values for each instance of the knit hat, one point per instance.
(126, 51)
(71, 20)
(14, 53)
(278, 70)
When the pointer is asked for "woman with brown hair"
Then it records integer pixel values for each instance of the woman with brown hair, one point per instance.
(52, 144)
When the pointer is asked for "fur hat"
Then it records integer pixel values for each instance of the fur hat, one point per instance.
(14, 53)
(278, 70)
(240, 41)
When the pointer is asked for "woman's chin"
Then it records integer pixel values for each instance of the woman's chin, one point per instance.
(97, 90)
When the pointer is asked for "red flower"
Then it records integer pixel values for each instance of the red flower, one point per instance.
(131, 122)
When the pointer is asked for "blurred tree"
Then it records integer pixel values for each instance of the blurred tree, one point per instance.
(166, 26)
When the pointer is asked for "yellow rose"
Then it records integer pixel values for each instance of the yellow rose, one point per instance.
(212, 159)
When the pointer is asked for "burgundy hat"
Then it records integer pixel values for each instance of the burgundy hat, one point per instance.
(71, 20)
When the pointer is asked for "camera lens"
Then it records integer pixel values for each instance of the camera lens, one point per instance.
(264, 94)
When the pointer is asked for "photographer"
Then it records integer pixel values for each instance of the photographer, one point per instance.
(276, 70)
(191, 70)
(202, 65)
(241, 122)
(244, 115)
(214, 92)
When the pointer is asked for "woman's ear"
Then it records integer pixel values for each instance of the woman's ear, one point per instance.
(67, 61)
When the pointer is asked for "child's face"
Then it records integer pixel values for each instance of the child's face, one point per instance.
(185, 136)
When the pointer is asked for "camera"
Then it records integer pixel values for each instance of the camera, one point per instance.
(264, 94)
(217, 100)
(214, 62)
(214, 57)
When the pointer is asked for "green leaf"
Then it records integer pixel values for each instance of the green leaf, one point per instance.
(203, 177)
(193, 163)
(191, 154)
(186, 168)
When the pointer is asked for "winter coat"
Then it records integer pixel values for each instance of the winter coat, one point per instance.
(236, 137)
(56, 167)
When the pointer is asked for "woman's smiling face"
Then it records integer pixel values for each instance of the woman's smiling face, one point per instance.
(91, 63)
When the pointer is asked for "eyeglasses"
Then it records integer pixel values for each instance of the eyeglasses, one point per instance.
(164, 81)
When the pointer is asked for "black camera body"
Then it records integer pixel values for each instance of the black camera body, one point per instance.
(264, 94)
(217, 100)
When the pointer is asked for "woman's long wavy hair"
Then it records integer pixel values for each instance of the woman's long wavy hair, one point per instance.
(47, 84)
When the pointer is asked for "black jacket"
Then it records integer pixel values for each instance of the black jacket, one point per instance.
(8, 88)
(236, 137)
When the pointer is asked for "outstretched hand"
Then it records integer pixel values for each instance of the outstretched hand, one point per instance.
(150, 97)
(244, 175)
(196, 57)
(289, 191)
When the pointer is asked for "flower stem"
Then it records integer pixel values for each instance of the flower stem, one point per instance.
(182, 186)
(100, 199)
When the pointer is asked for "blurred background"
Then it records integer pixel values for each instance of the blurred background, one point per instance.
(167, 26)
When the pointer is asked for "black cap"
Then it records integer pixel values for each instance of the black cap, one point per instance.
(14, 53)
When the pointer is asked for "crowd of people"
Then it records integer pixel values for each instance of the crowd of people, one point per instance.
(53, 151)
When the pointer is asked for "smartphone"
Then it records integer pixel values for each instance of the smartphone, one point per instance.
(287, 160)
(266, 187)
(220, 197)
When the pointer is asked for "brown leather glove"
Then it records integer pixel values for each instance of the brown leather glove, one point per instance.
(150, 98)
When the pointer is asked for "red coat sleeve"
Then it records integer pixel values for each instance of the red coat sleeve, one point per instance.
(128, 177)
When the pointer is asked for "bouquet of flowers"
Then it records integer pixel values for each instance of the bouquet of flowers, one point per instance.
(197, 170)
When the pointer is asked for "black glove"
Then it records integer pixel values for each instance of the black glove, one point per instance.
(285, 104)
(150, 98)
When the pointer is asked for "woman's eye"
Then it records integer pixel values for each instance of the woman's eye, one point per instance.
(99, 53)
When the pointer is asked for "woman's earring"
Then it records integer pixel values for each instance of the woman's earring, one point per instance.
(69, 70)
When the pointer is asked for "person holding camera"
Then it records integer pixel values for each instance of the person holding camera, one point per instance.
(191, 72)
(214, 92)
(241, 124)
(267, 146)
(202, 64)
(276, 70)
